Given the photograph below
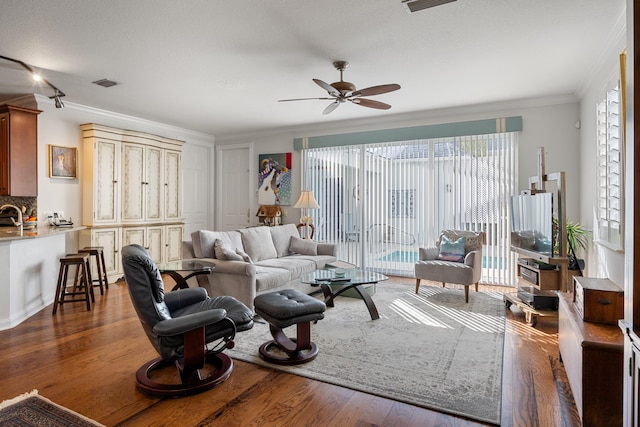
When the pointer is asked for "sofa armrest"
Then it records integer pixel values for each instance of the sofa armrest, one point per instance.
(428, 254)
(474, 260)
(328, 249)
(232, 267)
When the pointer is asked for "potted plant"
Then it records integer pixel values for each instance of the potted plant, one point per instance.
(577, 238)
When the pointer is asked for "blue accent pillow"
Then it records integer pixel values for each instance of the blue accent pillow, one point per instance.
(450, 250)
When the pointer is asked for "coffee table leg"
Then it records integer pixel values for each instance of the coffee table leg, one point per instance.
(371, 306)
(328, 295)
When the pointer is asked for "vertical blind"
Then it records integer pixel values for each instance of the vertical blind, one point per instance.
(381, 202)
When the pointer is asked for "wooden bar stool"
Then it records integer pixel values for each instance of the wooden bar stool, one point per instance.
(82, 289)
(101, 267)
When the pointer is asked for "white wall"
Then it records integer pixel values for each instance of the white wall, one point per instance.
(602, 261)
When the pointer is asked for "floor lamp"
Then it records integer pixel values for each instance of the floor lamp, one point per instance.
(305, 202)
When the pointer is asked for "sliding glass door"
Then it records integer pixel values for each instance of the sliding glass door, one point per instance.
(381, 202)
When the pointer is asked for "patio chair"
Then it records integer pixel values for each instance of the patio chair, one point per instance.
(456, 258)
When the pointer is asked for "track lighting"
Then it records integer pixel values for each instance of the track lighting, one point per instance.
(57, 92)
(58, 102)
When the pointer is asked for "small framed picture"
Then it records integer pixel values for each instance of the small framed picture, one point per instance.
(63, 162)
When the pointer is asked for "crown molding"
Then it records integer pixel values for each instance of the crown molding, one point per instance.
(110, 118)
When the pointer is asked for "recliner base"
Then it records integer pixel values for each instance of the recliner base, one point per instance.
(192, 384)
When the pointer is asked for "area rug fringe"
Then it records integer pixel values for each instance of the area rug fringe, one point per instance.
(34, 394)
(13, 401)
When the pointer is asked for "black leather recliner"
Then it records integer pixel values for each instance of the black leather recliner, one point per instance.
(186, 327)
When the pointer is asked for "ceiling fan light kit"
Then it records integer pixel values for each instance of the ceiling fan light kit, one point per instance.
(341, 92)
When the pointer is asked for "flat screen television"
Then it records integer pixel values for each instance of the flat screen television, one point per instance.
(532, 223)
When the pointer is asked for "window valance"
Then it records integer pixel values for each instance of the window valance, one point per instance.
(444, 130)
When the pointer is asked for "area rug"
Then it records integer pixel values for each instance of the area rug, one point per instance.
(429, 349)
(32, 410)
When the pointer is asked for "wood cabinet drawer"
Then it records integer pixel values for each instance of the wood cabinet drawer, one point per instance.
(598, 300)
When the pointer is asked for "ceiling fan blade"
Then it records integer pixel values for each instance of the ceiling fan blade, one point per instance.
(376, 90)
(299, 99)
(371, 103)
(331, 107)
(326, 86)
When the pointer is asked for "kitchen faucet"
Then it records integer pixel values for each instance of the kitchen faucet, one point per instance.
(19, 223)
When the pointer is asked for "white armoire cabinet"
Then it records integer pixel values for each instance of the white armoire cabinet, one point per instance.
(100, 180)
(172, 174)
(109, 239)
(131, 193)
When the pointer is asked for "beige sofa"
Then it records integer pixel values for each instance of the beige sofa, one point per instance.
(251, 261)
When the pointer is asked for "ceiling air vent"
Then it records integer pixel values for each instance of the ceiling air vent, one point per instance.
(105, 83)
(418, 5)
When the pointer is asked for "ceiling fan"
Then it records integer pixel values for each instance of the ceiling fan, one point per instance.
(341, 92)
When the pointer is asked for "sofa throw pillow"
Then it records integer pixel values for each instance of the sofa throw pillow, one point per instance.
(257, 242)
(226, 252)
(452, 250)
(281, 237)
(204, 241)
(245, 256)
(303, 246)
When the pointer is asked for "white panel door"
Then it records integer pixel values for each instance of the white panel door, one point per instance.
(235, 187)
(197, 188)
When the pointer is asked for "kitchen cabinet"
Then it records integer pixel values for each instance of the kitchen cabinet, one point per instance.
(18, 151)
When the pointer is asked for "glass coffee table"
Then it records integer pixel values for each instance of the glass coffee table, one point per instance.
(192, 267)
(354, 278)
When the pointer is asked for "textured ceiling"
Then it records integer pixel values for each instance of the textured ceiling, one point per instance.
(220, 67)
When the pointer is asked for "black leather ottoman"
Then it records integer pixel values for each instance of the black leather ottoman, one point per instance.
(282, 309)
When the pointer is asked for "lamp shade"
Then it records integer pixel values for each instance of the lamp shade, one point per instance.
(306, 201)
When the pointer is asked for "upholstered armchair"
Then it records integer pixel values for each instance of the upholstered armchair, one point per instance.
(186, 327)
(452, 260)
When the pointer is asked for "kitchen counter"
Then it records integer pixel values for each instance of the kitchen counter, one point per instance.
(13, 233)
(30, 262)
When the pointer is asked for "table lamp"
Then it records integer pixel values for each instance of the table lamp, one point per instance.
(306, 201)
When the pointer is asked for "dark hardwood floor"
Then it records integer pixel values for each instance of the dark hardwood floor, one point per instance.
(86, 361)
